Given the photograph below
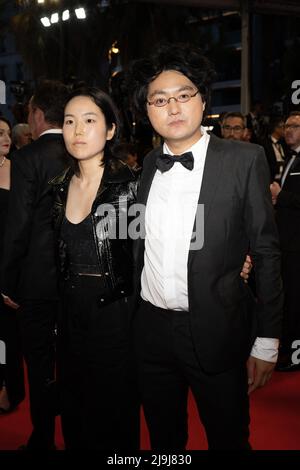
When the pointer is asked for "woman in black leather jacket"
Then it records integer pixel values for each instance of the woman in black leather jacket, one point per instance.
(99, 406)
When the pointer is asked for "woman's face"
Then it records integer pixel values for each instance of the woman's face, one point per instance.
(84, 130)
(5, 140)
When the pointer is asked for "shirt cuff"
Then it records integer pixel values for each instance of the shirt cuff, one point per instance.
(265, 349)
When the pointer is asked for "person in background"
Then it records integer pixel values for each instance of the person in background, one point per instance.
(11, 372)
(196, 324)
(275, 147)
(234, 126)
(99, 403)
(286, 200)
(21, 135)
(127, 153)
(28, 269)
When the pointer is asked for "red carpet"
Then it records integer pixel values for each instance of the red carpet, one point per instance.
(275, 419)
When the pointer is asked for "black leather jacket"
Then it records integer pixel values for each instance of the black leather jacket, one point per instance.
(118, 189)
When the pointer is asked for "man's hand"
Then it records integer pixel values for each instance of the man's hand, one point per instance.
(275, 190)
(259, 372)
(9, 302)
(246, 269)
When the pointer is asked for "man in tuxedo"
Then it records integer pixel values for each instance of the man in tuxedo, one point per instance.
(207, 204)
(275, 147)
(29, 277)
(286, 198)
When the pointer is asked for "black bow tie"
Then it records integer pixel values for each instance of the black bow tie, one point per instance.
(291, 153)
(165, 162)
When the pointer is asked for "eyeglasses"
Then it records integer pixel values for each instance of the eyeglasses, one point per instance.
(181, 98)
(293, 127)
(233, 128)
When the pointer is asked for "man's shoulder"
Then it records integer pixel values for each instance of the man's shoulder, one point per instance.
(46, 144)
(231, 146)
(240, 151)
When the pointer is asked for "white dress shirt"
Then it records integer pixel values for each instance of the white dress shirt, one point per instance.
(169, 221)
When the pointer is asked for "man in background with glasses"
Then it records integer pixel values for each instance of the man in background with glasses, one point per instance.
(234, 126)
(207, 203)
(286, 198)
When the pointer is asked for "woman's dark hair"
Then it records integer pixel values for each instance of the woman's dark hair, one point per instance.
(3, 119)
(111, 116)
(181, 57)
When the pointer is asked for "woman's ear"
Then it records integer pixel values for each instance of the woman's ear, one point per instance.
(111, 132)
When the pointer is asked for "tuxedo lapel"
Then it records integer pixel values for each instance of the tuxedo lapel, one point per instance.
(147, 176)
(211, 175)
(149, 170)
(210, 181)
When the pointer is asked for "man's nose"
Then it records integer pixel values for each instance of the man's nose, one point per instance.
(173, 106)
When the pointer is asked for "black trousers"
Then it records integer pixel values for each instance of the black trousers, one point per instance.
(291, 310)
(97, 373)
(168, 366)
(11, 373)
(37, 322)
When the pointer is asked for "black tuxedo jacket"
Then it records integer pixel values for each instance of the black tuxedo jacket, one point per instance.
(288, 209)
(271, 156)
(28, 270)
(238, 219)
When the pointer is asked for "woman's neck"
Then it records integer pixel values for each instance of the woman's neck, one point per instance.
(90, 171)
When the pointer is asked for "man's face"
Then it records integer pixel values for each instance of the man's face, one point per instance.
(279, 130)
(292, 131)
(178, 123)
(234, 128)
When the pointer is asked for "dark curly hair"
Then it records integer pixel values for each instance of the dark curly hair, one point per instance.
(182, 57)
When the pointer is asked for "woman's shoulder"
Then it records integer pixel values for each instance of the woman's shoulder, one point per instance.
(62, 177)
(117, 171)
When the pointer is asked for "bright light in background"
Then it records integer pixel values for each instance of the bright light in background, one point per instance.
(41, 1)
(45, 21)
(65, 15)
(80, 13)
(54, 18)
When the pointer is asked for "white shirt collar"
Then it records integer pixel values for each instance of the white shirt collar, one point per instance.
(51, 131)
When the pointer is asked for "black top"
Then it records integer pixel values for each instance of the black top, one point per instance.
(80, 245)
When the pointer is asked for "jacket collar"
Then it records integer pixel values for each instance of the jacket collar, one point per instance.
(113, 173)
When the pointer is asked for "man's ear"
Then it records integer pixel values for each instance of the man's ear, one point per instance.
(39, 116)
